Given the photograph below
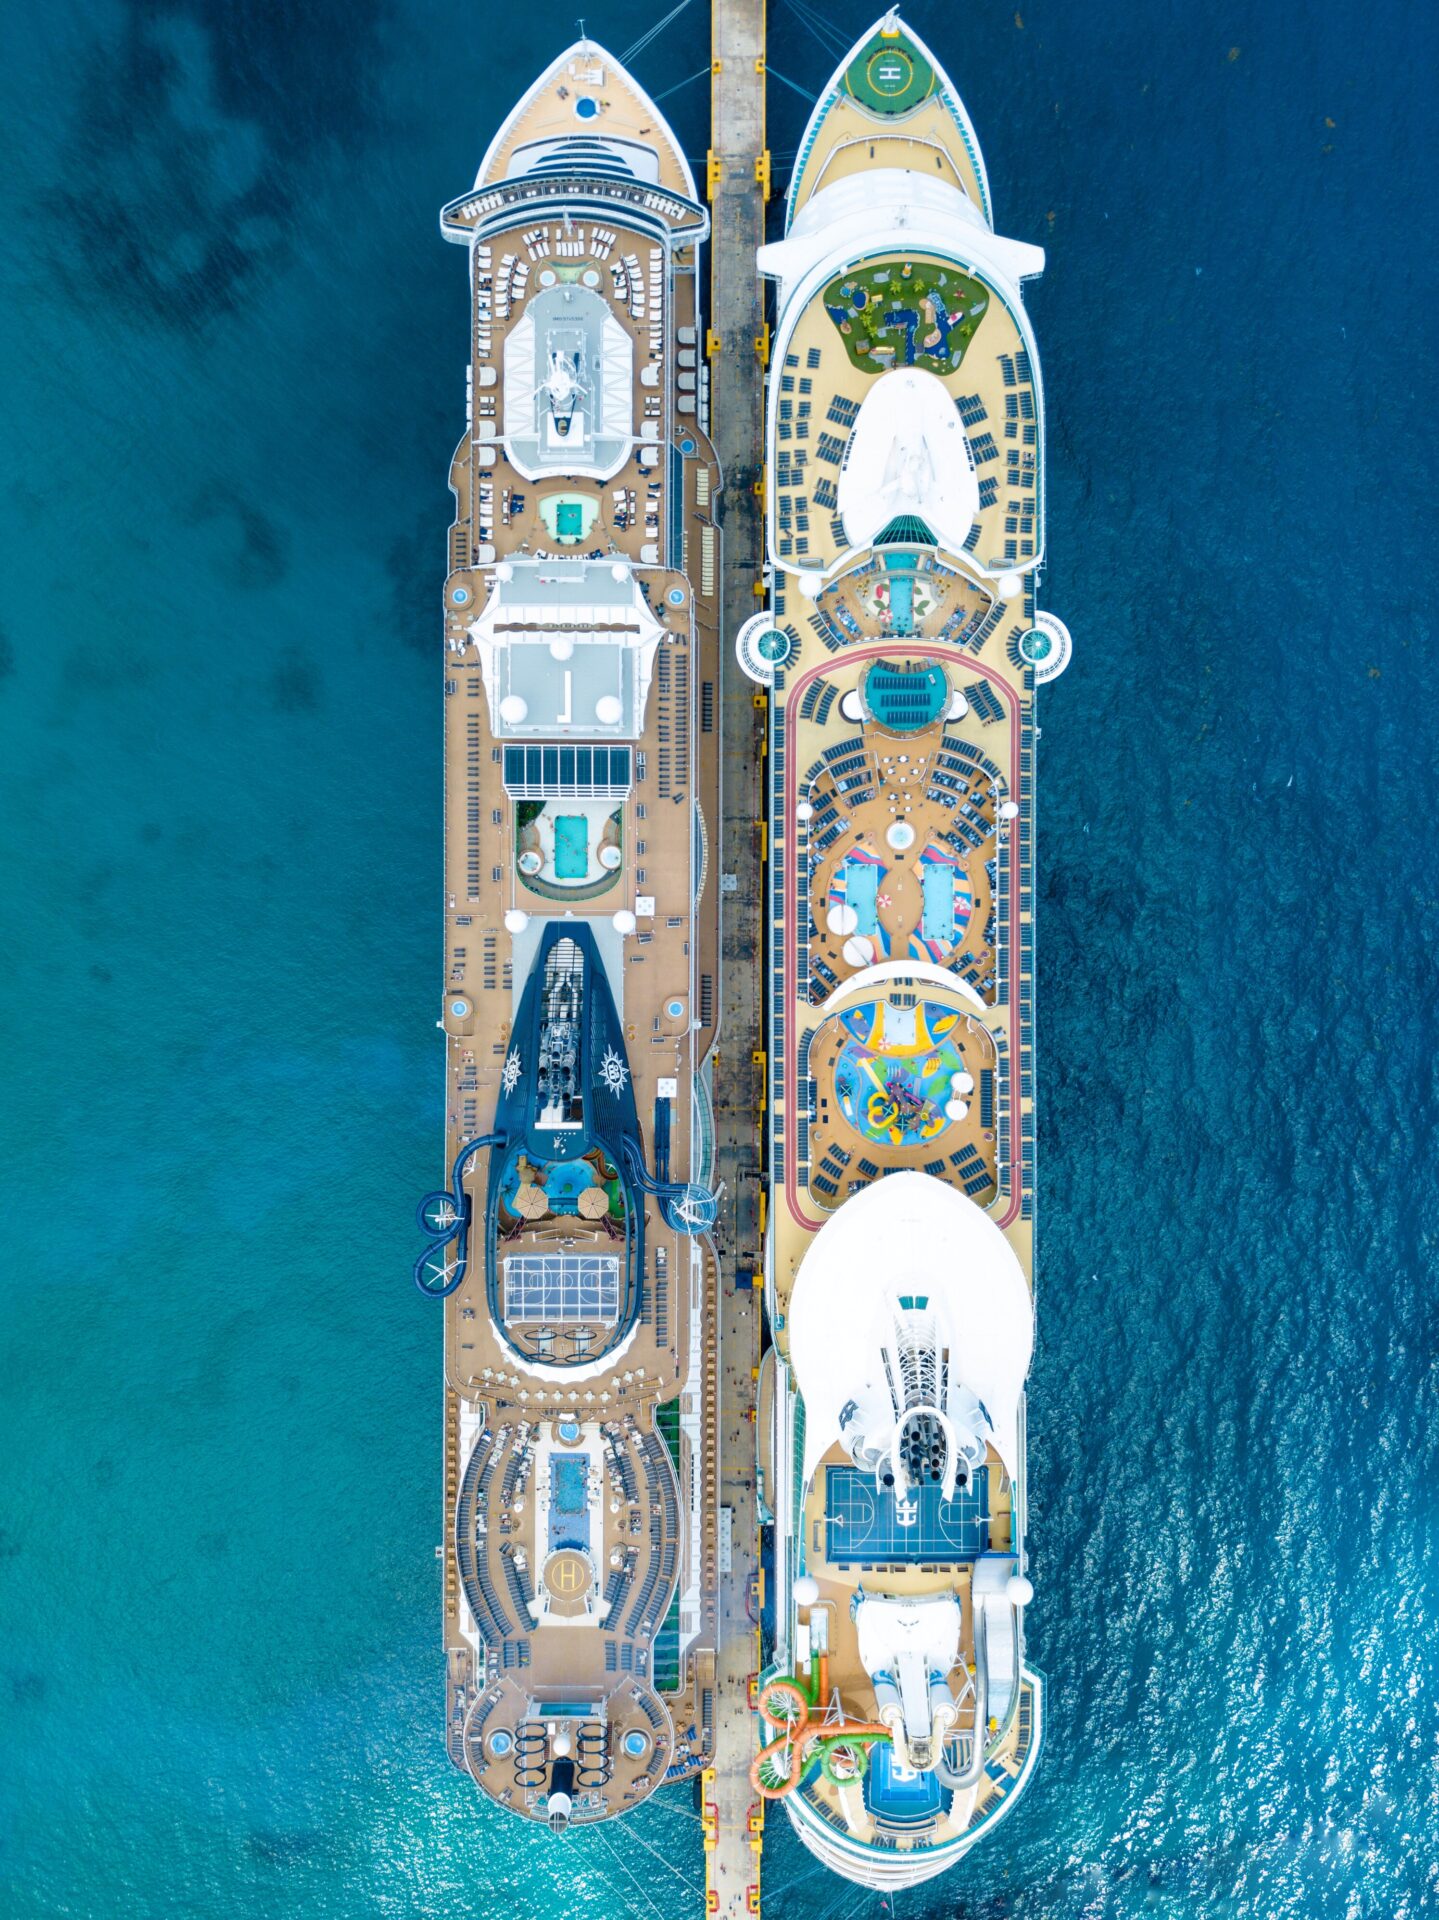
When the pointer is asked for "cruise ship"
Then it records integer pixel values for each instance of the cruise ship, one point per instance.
(900, 650)
(570, 1244)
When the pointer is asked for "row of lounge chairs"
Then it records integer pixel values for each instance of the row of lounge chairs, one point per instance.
(664, 1540)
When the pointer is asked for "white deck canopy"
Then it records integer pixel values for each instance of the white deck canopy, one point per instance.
(569, 386)
(909, 457)
(567, 650)
(909, 1237)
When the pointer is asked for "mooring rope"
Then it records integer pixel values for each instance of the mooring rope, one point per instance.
(703, 74)
(654, 32)
(828, 35)
(794, 86)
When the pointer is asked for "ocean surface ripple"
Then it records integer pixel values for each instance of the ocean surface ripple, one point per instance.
(233, 367)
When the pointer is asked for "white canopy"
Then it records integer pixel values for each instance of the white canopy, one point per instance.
(909, 1234)
(607, 635)
(596, 354)
(868, 211)
(909, 456)
(925, 971)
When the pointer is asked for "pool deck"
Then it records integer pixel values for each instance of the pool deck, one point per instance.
(838, 779)
(948, 780)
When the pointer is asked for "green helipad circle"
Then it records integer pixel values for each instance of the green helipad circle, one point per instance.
(890, 72)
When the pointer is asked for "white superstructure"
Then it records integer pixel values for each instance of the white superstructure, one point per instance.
(900, 649)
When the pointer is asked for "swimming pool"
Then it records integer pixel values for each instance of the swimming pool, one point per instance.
(569, 1518)
(937, 887)
(567, 517)
(565, 1181)
(901, 603)
(861, 891)
(567, 1487)
(572, 846)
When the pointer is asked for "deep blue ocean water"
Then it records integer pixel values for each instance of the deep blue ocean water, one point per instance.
(232, 354)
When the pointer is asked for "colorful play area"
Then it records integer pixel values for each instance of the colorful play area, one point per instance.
(897, 595)
(906, 313)
(860, 903)
(896, 1071)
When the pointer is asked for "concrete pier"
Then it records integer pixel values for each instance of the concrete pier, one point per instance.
(737, 184)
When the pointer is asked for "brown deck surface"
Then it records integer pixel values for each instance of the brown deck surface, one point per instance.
(526, 1632)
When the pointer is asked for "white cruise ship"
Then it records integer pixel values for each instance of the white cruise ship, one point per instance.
(900, 651)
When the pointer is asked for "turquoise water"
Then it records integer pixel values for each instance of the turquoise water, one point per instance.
(937, 888)
(861, 891)
(569, 1524)
(233, 357)
(568, 1491)
(572, 846)
(563, 1182)
(901, 602)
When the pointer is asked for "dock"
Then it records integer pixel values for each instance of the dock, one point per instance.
(737, 185)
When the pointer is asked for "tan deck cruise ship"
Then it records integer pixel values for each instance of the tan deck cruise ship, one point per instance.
(900, 652)
(571, 1244)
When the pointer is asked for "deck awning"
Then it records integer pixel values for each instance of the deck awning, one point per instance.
(909, 1234)
(908, 459)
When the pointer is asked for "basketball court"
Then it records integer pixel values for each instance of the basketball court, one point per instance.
(866, 1526)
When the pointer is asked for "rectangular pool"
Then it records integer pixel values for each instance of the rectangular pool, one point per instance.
(572, 846)
(569, 1518)
(861, 891)
(901, 603)
(570, 1475)
(937, 886)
